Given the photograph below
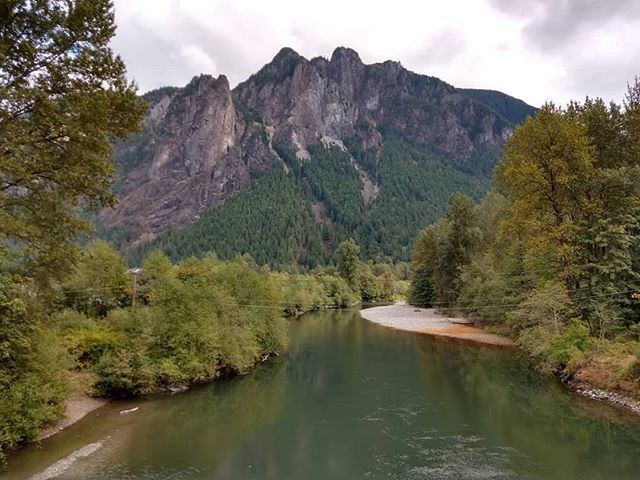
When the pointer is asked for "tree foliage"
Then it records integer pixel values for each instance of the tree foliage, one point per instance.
(302, 216)
(31, 387)
(444, 249)
(63, 99)
(556, 260)
(270, 221)
(546, 166)
(348, 258)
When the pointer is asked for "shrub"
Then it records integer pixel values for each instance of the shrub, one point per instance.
(124, 372)
(32, 392)
(370, 288)
(552, 351)
(570, 348)
(88, 346)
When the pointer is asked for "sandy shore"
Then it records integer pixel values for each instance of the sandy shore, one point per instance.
(402, 316)
(77, 407)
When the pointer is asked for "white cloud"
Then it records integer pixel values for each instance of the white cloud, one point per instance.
(196, 59)
(470, 43)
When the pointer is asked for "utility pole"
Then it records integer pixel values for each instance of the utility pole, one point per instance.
(134, 272)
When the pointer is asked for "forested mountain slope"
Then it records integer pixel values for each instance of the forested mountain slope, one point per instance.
(512, 109)
(301, 216)
(315, 150)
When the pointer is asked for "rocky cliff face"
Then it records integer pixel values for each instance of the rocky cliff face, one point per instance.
(196, 150)
(305, 100)
(202, 143)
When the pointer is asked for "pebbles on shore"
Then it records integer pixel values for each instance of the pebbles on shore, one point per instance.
(611, 397)
(402, 316)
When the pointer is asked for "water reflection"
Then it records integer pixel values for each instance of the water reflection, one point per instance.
(355, 400)
(180, 436)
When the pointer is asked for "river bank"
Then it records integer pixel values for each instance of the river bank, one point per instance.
(403, 316)
(79, 404)
(76, 408)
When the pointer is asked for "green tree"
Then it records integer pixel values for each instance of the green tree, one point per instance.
(421, 291)
(348, 259)
(371, 289)
(547, 163)
(31, 388)
(63, 99)
(608, 240)
(99, 282)
(571, 175)
(443, 250)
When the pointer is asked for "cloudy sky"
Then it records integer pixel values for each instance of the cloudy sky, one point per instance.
(536, 50)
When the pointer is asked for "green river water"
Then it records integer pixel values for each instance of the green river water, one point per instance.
(353, 400)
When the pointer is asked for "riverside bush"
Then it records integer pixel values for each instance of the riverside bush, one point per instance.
(32, 386)
(194, 321)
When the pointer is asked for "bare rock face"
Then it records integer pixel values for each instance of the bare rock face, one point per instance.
(305, 100)
(201, 143)
(199, 151)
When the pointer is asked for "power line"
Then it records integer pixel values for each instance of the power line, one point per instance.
(282, 304)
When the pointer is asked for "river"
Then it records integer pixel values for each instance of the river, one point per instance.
(352, 400)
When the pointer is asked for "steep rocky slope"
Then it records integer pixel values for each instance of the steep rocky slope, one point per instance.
(204, 143)
(196, 150)
(305, 100)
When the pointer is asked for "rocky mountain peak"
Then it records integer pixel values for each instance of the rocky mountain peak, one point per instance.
(284, 54)
(345, 55)
(204, 82)
(280, 67)
(303, 101)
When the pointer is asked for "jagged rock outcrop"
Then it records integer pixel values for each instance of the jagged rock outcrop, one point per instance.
(202, 143)
(305, 100)
(196, 150)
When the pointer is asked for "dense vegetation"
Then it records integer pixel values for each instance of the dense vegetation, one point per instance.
(270, 221)
(553, 255)
(191, 322)
(414, 188)
(300, 217)
(64, 98)
(512, 109)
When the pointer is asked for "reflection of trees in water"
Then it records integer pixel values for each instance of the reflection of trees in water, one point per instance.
(325, 431)
(501, 396)
(201, 427)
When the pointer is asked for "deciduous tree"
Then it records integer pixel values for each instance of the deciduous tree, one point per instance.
(64, 98)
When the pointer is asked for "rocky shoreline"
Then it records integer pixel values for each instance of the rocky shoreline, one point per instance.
(76, 408)
(617, 399)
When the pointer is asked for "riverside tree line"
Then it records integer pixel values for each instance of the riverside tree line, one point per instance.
(552, 254)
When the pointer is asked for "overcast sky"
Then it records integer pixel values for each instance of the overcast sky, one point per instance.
(536, 50)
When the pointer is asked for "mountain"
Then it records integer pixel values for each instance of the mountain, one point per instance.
(512, 109)
(301, 155)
